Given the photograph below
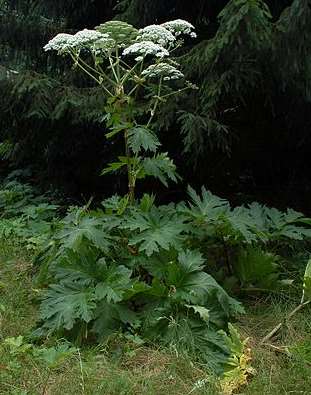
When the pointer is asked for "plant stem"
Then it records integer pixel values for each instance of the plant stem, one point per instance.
(153, 110)
(91, 75)
(175, 92)
(101, 73)
(113, 70)
(131, 180)
(279, 326)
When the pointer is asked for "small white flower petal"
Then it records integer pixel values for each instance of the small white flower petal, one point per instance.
(179, 27)
(157, 34)
(165, 70)
(145, 48)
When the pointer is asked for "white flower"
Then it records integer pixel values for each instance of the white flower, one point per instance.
(90, 39)
(145, 48)
(86, 37)
(59, 43)
(165, 70)
(157, 34)
(179, 27)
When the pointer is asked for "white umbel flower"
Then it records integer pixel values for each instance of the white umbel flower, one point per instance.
(180, 27)
(157, 34)
(60, 42)
(145, 48)
(90, 39)
(164, 70)
(86, 37)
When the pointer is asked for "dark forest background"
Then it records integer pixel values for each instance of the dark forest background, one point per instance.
(245, 134)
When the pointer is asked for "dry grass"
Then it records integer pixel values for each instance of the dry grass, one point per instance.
(279, 369)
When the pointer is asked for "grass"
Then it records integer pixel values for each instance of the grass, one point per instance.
(277, 372)
(123, 368)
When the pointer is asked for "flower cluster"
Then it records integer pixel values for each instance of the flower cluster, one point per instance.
(180, 27)
(157, 34)
(61, 42)
(83, 39)
(164, 70)
(145, 48)
(151, 40)
(86, 37)
(121, 32)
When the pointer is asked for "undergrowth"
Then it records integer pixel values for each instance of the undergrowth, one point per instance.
(120, 366)
(157, 274)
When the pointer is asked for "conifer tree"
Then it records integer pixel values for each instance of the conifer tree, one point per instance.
(251, 62)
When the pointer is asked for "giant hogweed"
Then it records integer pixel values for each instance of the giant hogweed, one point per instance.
(244, 224)
(136, 268)
(110, 270)
(134, 70)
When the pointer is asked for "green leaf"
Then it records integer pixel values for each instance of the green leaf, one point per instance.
(117, 280)
(234, 341)
(238, 365)
(123, 161)
(187, 335)
(89, 228)
(156, 229)
(78, 267)
(17, 345)
(161, 167)
(113, 167)
(257, 268)
(53, 357)
(142, 138)
(202, 311)
(111, 317)
(146, 202)
(117, 128)
(206, 208)
(307, 282)
(185, 281)
(285, 225)
(191, 261)
(241, 227)
(63, 304)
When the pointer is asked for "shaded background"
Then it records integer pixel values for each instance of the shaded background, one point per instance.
(244, 135)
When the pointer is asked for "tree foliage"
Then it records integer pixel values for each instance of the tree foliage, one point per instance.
(242, 47)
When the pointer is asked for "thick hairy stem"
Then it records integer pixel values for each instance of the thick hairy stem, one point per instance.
(130, 176)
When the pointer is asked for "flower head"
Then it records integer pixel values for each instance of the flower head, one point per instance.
(164, 70)
(86, 37)
(145, 48)
(90, 39)
(180, 27)
(157, 34)
(121, 32)
(60, 42)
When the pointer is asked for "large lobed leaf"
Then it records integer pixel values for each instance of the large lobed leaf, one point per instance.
(155, 230)
(141, 138)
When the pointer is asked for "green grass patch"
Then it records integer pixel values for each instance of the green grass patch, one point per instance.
(115, 368)
(122, 367)
(283, 366)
